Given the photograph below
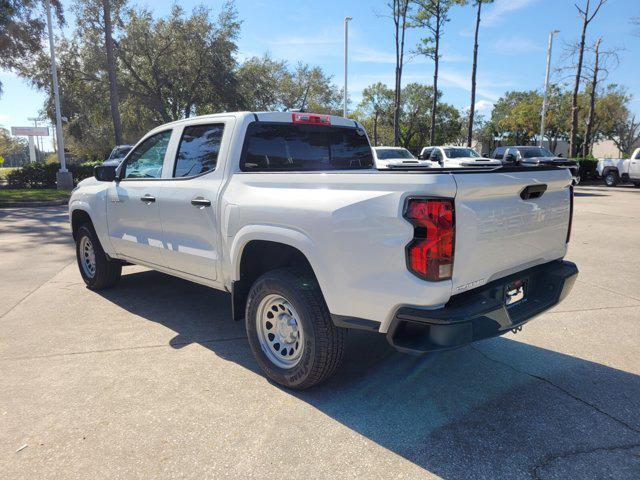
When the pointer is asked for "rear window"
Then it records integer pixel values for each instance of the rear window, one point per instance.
(289, 147)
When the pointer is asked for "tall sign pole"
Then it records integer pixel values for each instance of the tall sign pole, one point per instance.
(346, 54)
(546, 86)
(65, 181)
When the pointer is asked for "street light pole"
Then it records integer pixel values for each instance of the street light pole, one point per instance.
(546, 86)
(346, 52)
(64, 178)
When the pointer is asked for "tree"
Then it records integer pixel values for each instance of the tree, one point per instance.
(474, 70)
(587, 18)
(375, 111)
(180, 66)
(376, 104)
(22, 29)
(627, 135)
(432, 15)
(400, 10)
(96, 20)
(516, 115)
(267, 84)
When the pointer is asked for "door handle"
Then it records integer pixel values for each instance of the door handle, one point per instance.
(148, 199)
(200, 202)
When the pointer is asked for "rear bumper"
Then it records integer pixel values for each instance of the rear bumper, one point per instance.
(481, 313)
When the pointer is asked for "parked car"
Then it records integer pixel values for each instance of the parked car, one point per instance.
(614, 170)
(398, 157)
(456, 157)
(117, 155)
(286, 213)
(530, 155)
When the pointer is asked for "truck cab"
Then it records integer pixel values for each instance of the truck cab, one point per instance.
(616, 170)
(456, 157)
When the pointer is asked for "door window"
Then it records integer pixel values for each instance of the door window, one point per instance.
(147, 159)
(198, 150)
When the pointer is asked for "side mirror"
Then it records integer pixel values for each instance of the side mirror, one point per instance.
(105, 173)
(510, 158)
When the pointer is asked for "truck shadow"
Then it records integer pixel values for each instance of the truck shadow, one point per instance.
(497, 409)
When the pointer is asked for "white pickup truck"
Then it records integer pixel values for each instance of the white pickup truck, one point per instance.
(454, 157)
(286, 213)
(614, 170)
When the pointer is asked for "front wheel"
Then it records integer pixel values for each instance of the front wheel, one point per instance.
(611, 179)
(290, 330)
(97, 269)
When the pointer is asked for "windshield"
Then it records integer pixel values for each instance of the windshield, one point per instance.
(460, 152)
(532, 152)
(389, 153)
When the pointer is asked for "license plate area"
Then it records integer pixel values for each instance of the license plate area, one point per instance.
(515, 292)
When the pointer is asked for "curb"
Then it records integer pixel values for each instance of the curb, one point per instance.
(55, 203)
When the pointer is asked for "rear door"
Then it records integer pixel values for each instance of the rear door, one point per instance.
(189, 212)
(503, 225)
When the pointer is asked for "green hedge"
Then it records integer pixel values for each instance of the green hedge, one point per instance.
(43, 175)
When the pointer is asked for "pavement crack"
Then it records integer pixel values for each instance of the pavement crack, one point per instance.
(610, 290)
(548, 459)
(562, 389)
(592, 309)
(124, 349)
(36, 289)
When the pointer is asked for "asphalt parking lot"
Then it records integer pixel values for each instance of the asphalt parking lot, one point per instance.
(153, 379)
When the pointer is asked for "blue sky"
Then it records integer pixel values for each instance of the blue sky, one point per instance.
(512, 55)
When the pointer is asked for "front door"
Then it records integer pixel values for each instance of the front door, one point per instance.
(634, 167)
(189, 199)
(133, 213)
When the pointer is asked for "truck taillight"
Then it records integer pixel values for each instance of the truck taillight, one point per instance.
(430, 253)
(570, 212)
(310, 119)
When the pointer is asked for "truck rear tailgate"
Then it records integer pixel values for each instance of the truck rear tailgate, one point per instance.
(501, 230)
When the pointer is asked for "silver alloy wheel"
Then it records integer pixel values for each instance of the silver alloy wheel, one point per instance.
(279, 331)
(610, 179)
(87, 257)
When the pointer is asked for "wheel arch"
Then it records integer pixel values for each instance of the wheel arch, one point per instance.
(79, 217)
(256, 250)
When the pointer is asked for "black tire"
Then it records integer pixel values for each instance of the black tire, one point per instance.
(611, 178)
(107, 271)
(323, 341)
(636, 184)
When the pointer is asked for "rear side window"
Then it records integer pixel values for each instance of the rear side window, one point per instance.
(499, 153)
(289, 147)
(198, 150)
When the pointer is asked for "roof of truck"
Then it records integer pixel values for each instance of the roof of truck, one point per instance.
(285, 117)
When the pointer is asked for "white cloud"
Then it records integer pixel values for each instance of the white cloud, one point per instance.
(514, 46)
(494, 16)
(464, 82)
(4, 118)
(370, 55)
(484, 105)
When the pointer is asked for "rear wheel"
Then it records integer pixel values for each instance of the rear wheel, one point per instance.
(636, 184)
(290, 330)
(611, 178)
(97, 269)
